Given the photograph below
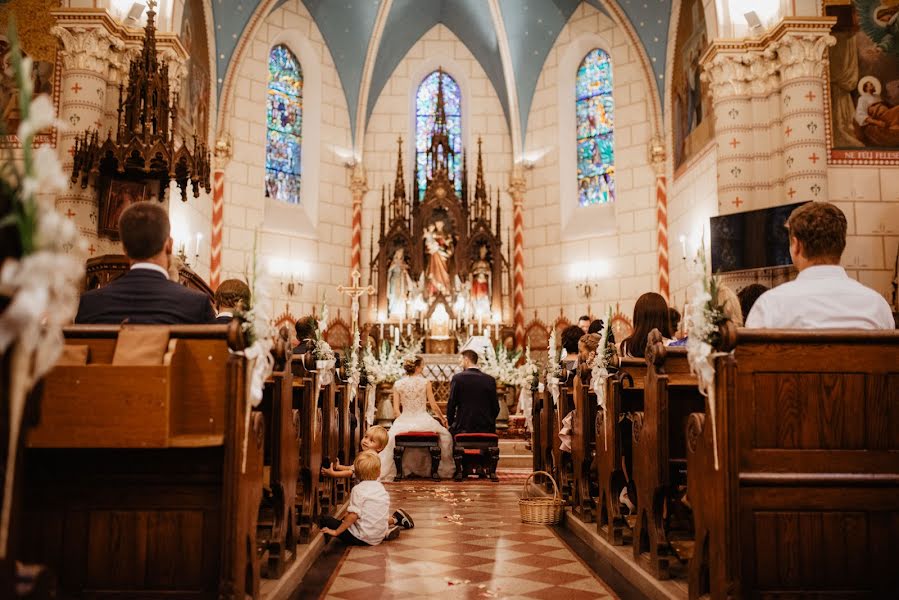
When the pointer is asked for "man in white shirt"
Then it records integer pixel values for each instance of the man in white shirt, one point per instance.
(823, 296)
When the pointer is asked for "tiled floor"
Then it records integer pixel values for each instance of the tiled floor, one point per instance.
(468, 542)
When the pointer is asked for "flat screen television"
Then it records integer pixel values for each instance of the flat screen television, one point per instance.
(753, 239)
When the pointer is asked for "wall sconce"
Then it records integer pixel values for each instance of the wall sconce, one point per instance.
(586, 274)
(290, 273)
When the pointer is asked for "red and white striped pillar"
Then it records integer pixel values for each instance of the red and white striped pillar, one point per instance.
(662, 216)
(516, 189)
(358, 186)
(218, 223)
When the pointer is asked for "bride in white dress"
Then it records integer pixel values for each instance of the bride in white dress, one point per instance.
(413, 393)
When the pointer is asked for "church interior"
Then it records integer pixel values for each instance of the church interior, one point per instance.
(449, 298)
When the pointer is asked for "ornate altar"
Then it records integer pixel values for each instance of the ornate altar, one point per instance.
(439, 264)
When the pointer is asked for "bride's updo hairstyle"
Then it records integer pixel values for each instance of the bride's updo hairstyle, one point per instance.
(412, 363)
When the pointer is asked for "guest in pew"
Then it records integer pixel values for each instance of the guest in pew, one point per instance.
(374, 440)
(587, 347)
(650, 312)
(231, 297)
(145, 294)
(305, 328)
(748, 295)
(365, 523)
(596, 326)
(823, 296)
(571, 335)
(584, 323)
(674, 318)
(730, 306)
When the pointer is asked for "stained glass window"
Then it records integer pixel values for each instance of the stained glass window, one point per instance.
(425, 114)
(283, 142)
(595, 130)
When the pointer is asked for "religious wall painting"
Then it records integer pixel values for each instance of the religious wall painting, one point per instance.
(693, 121)
(194, 97)
(863, 82)
(115, 196)
(595, 116)
(33, 23)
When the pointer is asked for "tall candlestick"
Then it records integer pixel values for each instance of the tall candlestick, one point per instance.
(469, 329)
(396, 337)
(481, 324)
(381, 324)
(199, 237)
(409, 329)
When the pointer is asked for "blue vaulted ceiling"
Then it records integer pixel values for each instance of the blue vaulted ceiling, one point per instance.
(532, 27)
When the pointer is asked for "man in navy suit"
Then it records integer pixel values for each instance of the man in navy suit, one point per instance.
(144, 295)
(473, 404)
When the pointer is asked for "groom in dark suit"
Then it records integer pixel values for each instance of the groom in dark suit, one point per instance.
(473, 404)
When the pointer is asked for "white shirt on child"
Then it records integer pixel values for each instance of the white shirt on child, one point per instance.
(369, 500)
(821, 297)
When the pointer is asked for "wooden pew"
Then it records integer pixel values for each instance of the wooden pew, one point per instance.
(805, 500)
(310, 427)
(624, 396)
(330, 443)
(277, 521)
(562, 470)
(144, 481)
(583, 442)
(670, 395)
(344, 435)
(538, 442)
(549, 442)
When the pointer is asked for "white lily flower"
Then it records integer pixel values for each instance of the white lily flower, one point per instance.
(41, 115)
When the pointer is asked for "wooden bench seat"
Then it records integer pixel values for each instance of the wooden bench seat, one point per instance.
(309, 410)
(583, 443)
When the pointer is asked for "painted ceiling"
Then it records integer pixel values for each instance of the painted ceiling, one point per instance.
(531, 28)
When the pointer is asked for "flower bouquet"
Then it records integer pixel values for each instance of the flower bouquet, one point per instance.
(501, 365)
(324, 356)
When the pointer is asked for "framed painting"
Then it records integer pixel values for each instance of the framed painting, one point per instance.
(115, 197)
(863, 82)
(691, 102)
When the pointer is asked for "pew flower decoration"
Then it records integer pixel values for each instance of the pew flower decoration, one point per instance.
(322, 352)
(605, 353)
(259, 332)
(702, 320)
(41, 284)
(527, 378)
(553, 369)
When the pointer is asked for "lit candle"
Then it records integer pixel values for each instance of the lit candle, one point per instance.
(409, 329)
(199, 237)
(683, 246)
(382, 330)
(396, 337)
(469, 329)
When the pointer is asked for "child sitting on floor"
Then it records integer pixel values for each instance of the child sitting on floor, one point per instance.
(365, 523)
(374, 440)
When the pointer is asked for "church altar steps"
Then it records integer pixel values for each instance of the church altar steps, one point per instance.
(513, 454)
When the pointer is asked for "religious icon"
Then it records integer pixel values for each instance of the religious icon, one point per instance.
(481, 283)
(399, 284)
(439, 246)
(118, 196)
(42, 74)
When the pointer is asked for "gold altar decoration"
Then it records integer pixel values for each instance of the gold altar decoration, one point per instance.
(144, 147)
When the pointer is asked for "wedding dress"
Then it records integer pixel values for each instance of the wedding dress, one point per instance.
(412, 392)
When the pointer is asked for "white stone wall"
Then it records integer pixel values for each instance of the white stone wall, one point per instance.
(393, 116)
(625, 238)
(318, 232)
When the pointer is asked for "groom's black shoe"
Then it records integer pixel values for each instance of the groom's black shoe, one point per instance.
(403, 519)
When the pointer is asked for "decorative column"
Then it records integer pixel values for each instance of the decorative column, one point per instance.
(767, 172)
(86, 57)
(223, 152)
(358, 187)
(800, 53)
(517, 187)
(726, 68)
(657, 159)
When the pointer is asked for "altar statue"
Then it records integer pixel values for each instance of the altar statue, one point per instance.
(481, 280)
(399, 283)
(439, 246)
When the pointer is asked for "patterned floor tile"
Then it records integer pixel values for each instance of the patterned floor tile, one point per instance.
(468, 543)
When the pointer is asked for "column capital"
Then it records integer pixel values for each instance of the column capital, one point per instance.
(517, 185)
(657, 155)
(222, 152)
(88, 48)
(358, 182)
(727, 68)
(801, 54)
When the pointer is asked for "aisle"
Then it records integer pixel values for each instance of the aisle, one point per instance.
(468, 542)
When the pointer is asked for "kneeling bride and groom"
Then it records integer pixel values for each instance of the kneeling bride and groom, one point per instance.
(472, 408)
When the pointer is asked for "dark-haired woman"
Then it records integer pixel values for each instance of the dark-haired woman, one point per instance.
(650, 312)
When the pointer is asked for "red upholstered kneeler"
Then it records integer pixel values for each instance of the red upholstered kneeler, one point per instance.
(476, 453)
(416, 439)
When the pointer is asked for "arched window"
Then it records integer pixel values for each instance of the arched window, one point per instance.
(595, 129)
(283, 142)
(425, 115)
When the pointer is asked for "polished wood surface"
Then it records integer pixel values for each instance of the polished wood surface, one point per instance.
(310, 426)
(583, 443)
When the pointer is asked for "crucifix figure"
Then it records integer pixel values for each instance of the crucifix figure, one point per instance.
(354, 292)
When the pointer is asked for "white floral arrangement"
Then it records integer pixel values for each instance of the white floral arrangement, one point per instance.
(527, 374)
(387, 366)
(43, 283)
(322, 349)
(501, 365)
(701, 323)
(605, 353)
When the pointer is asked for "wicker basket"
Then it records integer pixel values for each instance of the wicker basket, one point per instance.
(541, 511)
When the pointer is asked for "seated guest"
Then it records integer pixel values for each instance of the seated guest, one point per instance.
(232, 296)
(587, 347)
(144, 294)
(570, 337)
(650, 312)
(596, 326)
(674, 319)
(473, 404)
(584, 323)
(305, 327)
(748, 295)
(823, 296)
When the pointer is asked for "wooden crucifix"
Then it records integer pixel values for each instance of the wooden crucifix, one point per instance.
(354, 292)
